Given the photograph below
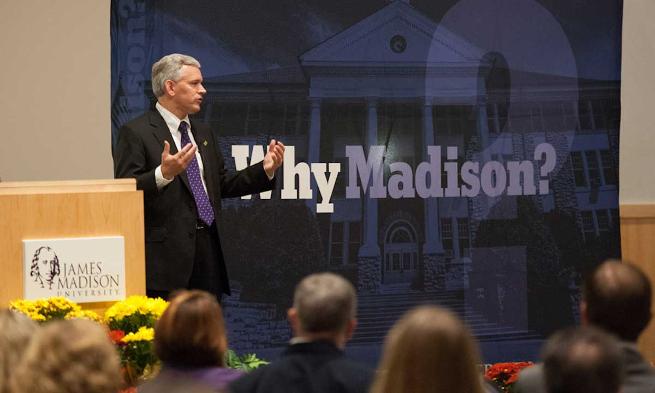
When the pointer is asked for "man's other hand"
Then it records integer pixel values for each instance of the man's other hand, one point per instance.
(173, 164)
(274, 157)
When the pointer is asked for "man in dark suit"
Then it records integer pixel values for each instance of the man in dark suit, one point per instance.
(323, 320)
(176, 163)
(616, 298)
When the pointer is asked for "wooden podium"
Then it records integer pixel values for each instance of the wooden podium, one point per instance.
(62, 209)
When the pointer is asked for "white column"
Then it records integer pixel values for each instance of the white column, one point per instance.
(370, 248)
(433, 244)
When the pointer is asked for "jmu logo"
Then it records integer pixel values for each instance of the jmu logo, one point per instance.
(45, 266)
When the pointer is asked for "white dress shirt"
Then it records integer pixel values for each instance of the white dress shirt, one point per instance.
(173, 124)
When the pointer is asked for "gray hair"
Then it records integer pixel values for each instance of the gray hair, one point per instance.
(325, 302)
(168, 68)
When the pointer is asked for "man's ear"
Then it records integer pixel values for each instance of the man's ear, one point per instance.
(584, 313)
(350, 328)
(292, 317)
(169, 87)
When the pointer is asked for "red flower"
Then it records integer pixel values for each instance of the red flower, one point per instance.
(505, 374)
(116, 336)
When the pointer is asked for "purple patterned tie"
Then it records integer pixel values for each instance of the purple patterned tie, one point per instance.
(203, 205)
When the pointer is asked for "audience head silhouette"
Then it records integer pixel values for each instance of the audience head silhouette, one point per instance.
(583, 359)
(617, 298)
(429, 350)
(191, 332)
(324, 307)
(69, 356)
(17, 330)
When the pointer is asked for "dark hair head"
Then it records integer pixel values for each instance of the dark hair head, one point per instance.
(583, 359)
(191, 332)
(618, 299)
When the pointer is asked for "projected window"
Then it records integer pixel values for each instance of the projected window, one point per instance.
(588, 226)
(463, 230)
(578, 169)
(602, 217)
(345, 240)
(336, 243)
(593, 168)
(447, 237)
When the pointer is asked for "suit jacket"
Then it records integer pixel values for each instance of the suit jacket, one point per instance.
(170, 213)
(639, 374)
(314, 367)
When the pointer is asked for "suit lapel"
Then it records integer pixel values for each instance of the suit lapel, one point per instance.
(162, 133)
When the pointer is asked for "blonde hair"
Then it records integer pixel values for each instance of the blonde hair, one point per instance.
(429, 350)
(69, 356)
(17, 331)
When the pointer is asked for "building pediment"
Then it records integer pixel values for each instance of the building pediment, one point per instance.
(397, 34)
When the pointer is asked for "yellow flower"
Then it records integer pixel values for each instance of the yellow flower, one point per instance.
(45, 309)
(143, 334)
(120, 310)
(134, 304)
(35, 316)
(84, 314)
(158, 306)
(61, 303)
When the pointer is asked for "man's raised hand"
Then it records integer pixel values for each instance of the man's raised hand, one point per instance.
(173, 164)
(274, 157)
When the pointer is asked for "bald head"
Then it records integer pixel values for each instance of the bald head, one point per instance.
(617, 298)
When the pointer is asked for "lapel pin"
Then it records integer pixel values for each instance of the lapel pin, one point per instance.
(204, 143)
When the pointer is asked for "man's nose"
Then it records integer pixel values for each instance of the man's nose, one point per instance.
(202, 90)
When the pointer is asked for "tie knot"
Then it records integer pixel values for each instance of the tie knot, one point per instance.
(183, 127)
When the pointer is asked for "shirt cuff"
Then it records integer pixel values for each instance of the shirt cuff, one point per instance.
(160, 179)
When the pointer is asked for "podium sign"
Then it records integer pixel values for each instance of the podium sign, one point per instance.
(85, 269)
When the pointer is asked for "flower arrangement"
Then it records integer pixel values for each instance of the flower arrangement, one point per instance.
(43, 310)
(134, 312)
(131, 323)
(504, 375)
